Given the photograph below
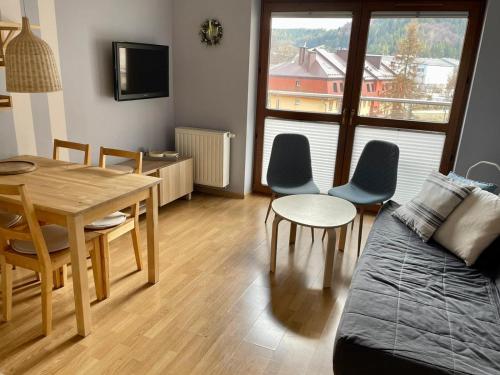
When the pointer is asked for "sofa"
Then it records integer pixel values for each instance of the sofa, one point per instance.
(415, 308)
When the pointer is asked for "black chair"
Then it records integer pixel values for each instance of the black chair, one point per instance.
(374, 180)
(289, 171)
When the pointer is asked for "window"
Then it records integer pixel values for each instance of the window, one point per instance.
(420, 64)
(290, 58)
(410, 89)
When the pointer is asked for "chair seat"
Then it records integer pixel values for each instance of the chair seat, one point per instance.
(121, 168)
(8, 220)
(307, 188)
(56, 238)
(356, 195)
(110, 221)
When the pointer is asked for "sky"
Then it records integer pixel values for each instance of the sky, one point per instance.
(308, 23)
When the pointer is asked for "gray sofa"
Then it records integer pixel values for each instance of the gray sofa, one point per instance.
(415, 308)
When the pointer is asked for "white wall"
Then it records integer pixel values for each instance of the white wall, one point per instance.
(481, 131)
(86, 30)
(215, 86)
(80, 34)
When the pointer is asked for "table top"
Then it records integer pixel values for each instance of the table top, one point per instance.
(315, 210)
(67, 188)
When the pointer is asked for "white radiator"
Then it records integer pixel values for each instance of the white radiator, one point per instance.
(210, 151)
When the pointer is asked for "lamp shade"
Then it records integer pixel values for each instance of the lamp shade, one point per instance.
(30, 65)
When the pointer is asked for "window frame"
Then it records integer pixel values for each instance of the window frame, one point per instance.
(348, 118)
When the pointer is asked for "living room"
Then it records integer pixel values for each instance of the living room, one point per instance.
(310, 187)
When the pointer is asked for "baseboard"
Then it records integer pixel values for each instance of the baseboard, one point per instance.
(219, 192)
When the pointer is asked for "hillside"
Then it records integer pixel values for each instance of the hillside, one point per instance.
(440, 38)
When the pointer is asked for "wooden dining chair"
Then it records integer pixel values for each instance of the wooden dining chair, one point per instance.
(60, 275)
(85, 148)
(118, 223)
(42, 249)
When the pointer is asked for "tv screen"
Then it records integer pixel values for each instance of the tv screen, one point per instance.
(141, 71)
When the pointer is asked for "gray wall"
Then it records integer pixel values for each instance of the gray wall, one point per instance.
(215, 86)
(86, 30)
(481, 131)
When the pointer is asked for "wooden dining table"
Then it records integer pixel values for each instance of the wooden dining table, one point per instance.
(73, 195)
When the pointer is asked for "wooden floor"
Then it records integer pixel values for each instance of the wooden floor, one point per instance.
(216, 310)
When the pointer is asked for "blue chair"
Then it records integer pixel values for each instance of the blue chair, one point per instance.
(289, 171)
(374, 180)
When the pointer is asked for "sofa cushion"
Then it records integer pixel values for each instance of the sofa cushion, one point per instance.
(415, 308)
(472, 227)
(438, 197)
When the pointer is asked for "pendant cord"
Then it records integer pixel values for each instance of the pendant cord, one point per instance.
(24, 7)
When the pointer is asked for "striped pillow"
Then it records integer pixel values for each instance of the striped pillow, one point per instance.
(438, 197)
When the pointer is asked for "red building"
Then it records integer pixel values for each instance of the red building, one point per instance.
(314, 80)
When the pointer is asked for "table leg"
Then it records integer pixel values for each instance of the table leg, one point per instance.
(343, 235)
(274, 242)
(78, 250)
(293, 233)
(330, 255)
(153, 241)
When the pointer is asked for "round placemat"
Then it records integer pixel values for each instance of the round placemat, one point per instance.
(10, 167)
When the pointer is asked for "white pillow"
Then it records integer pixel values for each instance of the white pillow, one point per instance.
(472, 226)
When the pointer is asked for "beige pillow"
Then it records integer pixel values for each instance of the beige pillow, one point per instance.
(472, 226)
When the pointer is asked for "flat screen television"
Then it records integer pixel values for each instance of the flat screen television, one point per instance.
(141, 70)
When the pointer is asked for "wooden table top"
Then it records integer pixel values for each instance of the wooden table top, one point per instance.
(315, 210)
(67, 188)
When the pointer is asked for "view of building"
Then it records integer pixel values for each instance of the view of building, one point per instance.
(314, 81)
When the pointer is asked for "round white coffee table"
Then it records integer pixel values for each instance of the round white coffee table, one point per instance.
(316, 211)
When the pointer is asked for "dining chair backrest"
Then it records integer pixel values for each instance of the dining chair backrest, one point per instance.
(290, 161)
(85, 148)
(33, 231)
(134, 155)
(377, 168)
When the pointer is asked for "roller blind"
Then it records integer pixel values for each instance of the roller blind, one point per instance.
(323, 139)
(419, 154)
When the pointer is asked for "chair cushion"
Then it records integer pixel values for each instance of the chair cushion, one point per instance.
(356, 195)
(56, 239)
(110, 221)
(8, 220)
(307, 188)
(121, 168)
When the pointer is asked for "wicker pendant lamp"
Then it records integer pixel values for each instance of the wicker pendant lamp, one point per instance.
(30, 65)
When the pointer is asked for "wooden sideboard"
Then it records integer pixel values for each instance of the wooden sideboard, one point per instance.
(176, 177)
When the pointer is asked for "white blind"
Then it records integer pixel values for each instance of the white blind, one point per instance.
(419, 154)
(323, 139)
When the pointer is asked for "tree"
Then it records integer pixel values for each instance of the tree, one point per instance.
(404, 66)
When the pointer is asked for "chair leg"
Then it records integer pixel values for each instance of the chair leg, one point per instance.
(104, 252)
(361, 212)
(95, 256)
(136, 238)
(46, 302)
(312, 234)
(6, 289)
(60, 275)
(273, 196)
